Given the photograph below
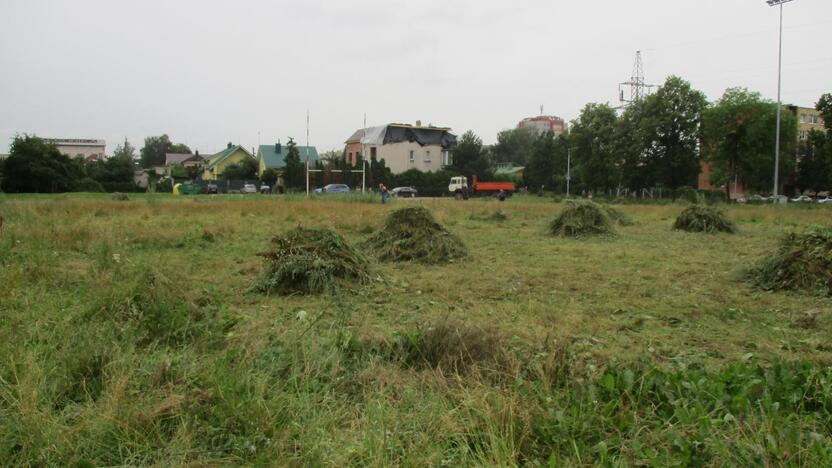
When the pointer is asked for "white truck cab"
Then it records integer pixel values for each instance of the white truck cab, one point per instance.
(459, 187)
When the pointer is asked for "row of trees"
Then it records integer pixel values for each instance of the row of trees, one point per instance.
(36, 166)
(661, 140)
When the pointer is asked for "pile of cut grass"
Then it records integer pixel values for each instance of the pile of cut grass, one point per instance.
(802, 262)
(699, 218)
(412, 234)
(311, 261)
(582, 218)
(618, 217)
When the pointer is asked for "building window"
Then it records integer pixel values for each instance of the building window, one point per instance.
(427, 156)
(446, 158)
(412, 156)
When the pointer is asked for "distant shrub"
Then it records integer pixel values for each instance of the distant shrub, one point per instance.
(412, 234)
(311, 261)
(802, 262)
(581, 218)
(700, 218)
(120, 197)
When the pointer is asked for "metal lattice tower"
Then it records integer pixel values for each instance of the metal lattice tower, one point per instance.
(638, 86)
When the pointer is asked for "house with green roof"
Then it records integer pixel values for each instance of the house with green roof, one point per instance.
(274, 157)
(216, 164)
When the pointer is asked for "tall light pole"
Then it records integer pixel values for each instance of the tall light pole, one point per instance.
(779, 101)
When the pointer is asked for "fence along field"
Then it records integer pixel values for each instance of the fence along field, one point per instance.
(133, 333)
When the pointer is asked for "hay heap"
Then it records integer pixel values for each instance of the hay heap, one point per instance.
(311, 261)
(412, 234)
(618, 217)
(581, 218)
(698, 218)
(802, 262)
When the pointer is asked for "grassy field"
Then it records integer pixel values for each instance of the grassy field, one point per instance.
(130, 335)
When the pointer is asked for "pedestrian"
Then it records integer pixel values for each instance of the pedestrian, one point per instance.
(384, 193)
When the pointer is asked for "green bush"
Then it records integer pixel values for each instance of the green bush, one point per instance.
(88, 185)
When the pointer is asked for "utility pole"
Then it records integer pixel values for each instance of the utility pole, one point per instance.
(637, 84)
(779, 101)
(568, 169)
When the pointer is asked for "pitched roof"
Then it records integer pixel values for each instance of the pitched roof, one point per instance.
(176, 158)
(511, 170)
(274, 159)
(222, 155)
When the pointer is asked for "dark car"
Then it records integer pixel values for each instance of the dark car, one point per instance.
(333, 188)
(407, 192)
(211, 188)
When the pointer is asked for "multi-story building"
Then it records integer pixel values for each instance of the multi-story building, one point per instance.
(808, 119)
(544, 123)
(79, 148)
(402, 146)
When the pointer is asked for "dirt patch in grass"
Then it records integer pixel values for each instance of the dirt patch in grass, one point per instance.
(412, 234)
(699, 218)
(581, 218)
(311, 261)
(802, 262)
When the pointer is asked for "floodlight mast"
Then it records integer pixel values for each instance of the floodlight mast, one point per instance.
(779, 100)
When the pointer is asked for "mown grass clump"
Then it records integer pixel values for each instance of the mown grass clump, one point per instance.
(311, 261)
(699, 218)
(412, 234)
(618, 217)
(802, 262)
(451, 347)
(581, 218)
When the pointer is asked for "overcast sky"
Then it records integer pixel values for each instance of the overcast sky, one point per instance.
(208, 72)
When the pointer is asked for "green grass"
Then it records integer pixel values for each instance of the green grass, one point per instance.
(130, 335)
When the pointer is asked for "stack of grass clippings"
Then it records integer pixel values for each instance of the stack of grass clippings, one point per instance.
(802, 262)
(618, 217)
(699, 218)
(311, 261)
(412, 234)
(581, 218)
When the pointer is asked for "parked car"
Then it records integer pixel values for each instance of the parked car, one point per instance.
(249, 188)
(802, 199)
(757, 199)
(825, 200)
(264, 188)
(333, 188)
(408, 192)
(211, 189)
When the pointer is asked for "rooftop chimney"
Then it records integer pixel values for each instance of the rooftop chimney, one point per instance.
(418, 123)
(229, 145)
(277, 147)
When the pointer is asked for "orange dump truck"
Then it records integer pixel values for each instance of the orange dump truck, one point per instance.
(461, 190)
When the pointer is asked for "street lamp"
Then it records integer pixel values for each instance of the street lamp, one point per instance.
(779, 102)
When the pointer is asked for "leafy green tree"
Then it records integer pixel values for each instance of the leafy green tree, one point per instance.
(594, 142)
(814, 172)
(824, 106)
(155, 148)
(379, 172)
(659, 137)
(470, 158)
(293, 173)
(269, 177)
(36, 166)
(514, 146)
(125, 151)
(738, 138)
(244, 170)
(546, 168)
